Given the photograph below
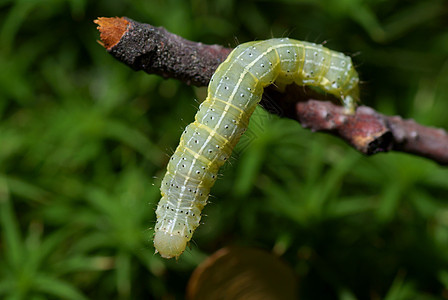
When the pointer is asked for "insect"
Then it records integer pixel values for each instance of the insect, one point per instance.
(234, 91)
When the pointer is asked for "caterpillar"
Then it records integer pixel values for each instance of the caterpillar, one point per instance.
(234, 91)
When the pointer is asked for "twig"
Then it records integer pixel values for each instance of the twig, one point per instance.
(157, 51)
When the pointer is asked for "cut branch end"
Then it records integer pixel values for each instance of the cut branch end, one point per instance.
(111, 30)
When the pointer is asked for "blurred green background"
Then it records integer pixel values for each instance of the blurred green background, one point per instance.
(84, 142)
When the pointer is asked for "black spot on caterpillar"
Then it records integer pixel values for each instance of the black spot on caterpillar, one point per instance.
(233, 93)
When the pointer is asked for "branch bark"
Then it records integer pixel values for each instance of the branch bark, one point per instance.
(157, 51)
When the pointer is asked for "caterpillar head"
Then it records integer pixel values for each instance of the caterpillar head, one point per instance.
(169, 245)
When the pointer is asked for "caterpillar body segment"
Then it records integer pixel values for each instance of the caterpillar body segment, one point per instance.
(233, 93)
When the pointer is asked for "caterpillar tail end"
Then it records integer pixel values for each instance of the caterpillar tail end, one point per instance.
(169, 245)
(349, 105)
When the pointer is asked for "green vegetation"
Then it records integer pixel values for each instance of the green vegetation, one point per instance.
(84, 142)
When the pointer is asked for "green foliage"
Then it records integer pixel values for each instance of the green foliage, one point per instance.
(84, 142)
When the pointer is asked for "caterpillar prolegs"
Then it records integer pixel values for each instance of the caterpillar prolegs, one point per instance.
(233, 93)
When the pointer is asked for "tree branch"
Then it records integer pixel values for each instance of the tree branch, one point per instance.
(157, 51)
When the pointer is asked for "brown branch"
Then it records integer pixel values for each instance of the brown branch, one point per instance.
(371, 132)
(157, 51)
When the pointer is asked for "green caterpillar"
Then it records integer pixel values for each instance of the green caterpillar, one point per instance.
(233, 93)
